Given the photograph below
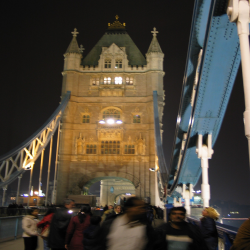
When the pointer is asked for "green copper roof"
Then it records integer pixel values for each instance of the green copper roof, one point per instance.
(121, 39)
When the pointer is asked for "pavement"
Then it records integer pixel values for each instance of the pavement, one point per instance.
(18, 243)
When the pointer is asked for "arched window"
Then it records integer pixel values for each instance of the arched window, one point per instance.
(85, 119)
(107, 80)
(118, 80)
(90, 149)
(111, 113)
(129, 149)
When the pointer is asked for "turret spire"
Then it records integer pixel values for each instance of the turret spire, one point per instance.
(154, 46)
(73, 46)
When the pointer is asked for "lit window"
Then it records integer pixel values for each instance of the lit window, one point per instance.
(111, 113)
(107, 63)
(136, 119)
(129, 80)
(118, 80)
(95, 81)
(107, 80)
(85, 119)
(129, 149)
(118, 64)
(90, 149)
(110, 147)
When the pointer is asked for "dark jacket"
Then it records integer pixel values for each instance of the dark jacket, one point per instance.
(58, 228)
(209, 232)
(90, 235)
(101, 236)
(193, 232)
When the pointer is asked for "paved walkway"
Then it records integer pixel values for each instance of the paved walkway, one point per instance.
(18, 244)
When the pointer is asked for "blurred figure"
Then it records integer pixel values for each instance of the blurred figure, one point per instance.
(178, 234)
(208, 227)
(44, 224)
(105, 208)
(242, 240)
(59, 225)
(77, 225)
(30, 233)
(108, 213)
(118, 209)
(127, 230)
(91, 232)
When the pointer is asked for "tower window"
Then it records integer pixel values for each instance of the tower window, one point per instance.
(95, 81)
(107, 80)
(90, 149)
(85, 119)
(111, 113)
(110, 147)
(136, 119)
(129, 149)
(118, 64)
(129, 80)
(107, 64)
(118, 80)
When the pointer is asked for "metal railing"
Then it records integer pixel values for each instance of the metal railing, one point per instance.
(226, 233)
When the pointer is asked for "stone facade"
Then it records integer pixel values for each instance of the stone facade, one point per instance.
(111, 88)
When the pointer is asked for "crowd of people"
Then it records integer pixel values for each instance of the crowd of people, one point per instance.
(120, 228)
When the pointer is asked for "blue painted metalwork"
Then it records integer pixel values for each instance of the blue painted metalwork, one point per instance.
(15, 156)
(163, 174)
(212, 33)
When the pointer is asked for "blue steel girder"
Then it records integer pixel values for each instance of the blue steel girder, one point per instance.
(212, 33)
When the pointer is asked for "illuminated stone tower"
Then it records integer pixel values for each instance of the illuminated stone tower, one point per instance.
(107, 130)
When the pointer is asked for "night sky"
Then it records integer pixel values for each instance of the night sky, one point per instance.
(36, 34)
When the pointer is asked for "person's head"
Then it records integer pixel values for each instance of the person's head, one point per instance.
(177, 215)
(68, 203)
(110, 207)
(33, 211)
(84, 210)
(210, 212)
(134, 208)
(118, 209)
(50, 211)
(95, 220)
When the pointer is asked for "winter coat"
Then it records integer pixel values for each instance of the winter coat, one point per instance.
(45, 222)
(193, 232)
(58, 228)
(89, 236)
(242, 240)
(29, 223)
(74, 236)
(209, 232)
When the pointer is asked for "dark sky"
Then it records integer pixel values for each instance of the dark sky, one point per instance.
(34, 37)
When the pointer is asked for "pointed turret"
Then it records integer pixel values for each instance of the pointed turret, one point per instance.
(154, 54)
(73, 54)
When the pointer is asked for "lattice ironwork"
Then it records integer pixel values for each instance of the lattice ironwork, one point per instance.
(23, 157)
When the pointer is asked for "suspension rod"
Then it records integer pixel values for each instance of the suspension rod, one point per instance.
(40, 177)
(48, 175)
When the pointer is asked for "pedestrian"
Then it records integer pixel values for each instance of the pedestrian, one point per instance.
(178, 234)
(30, 233)
(126, 231)
(44, 224)
(91, 232)
(208, 227)
(59, 225)
(242, 239)
(108, 213)
(77, 225)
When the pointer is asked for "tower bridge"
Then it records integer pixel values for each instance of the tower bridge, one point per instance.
(111, 127)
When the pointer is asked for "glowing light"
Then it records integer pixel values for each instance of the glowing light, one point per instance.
(119, 122)
(152, 169)
(36, 192)
(70, 211)
(102, 122)
(25, 195)
(110, 121)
